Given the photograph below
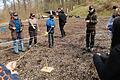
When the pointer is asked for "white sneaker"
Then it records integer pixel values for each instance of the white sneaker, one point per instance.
(92, 49)
(29, 46)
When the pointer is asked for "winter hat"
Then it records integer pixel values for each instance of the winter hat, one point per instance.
(51, 16)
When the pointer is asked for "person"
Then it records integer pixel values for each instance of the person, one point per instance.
(15, 25)
(33, 27)
(7, 74)
(91, 21)
(111, 19)
(62, 21)
(115, 10)
(110, 24)
(108, 66)
(50, 24)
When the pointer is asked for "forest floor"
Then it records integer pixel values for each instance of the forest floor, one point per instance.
(68, 57)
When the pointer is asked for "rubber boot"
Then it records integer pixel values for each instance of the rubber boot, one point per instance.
(22, 46)
(15, 46)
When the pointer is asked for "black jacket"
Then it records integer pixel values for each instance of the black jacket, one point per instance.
(93, 21)
(62, 19)
(116, 32)
(113, 64)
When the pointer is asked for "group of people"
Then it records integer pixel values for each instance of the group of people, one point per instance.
(107, 65)
(50, 23)
(16, 28)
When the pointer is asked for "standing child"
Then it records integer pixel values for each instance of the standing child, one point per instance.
(15, 26)
(33, 24)
(50, 23)
(91, 21)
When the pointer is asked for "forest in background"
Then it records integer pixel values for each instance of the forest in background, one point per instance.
(71, 7)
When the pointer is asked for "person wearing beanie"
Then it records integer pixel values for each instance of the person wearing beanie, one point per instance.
(15, 25)
(91, 21)
(50, 24)
(33, 28)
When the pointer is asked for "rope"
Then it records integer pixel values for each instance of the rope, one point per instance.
(25, 53)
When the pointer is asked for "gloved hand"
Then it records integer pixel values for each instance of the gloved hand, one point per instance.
(21, 29)
(52, 26)
(14, 28)
(87, 21)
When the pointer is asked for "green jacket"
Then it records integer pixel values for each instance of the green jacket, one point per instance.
(92, 21)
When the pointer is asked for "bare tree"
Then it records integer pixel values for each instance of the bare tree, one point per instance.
(14, 5)
(25, 5)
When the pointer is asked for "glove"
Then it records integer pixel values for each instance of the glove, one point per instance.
(87, 21)
(14, 28)
(21, 29)
(52, 26)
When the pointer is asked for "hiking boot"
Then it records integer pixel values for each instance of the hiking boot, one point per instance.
(23, 50)
(88, 49)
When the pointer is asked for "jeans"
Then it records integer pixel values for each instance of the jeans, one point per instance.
(18, 44)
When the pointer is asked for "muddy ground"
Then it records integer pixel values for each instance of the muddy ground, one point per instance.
(68, 57)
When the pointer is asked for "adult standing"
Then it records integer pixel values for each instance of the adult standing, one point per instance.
(91, 21)
(15, 25)
(62, 21)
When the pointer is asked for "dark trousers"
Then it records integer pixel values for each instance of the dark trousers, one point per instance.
(99, 62)
(50, 39)
(62, 30)
(90, 38)
(33, 35)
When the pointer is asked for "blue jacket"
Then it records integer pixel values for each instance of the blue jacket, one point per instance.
(49, 23)
(110, 23)
(17, 24)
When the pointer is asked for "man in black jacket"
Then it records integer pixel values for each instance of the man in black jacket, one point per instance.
(91, 21)
(62, 21)
(108, 67)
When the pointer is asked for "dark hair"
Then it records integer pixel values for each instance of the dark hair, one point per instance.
(32, 15)
(90, 7)
(51, 16)
(114, 7)
(61, 11)
(15, 14)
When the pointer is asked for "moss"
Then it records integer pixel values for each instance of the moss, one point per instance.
(79, 11)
